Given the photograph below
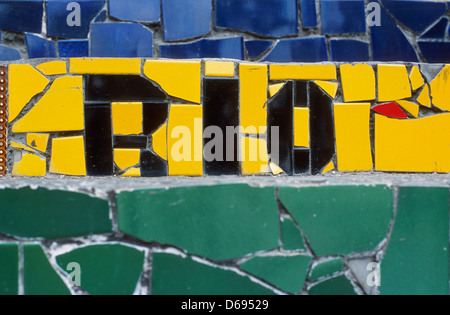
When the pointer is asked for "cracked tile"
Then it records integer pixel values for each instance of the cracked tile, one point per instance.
(201, 221)
(9, 269)
(416, 259)
(183, 276)
(323, 213)
(287, 273)
(336, 286)
(38, 213)
(327, 268)
(106, 269)
(39, 277)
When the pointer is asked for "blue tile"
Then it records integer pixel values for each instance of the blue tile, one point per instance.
(58, 17)
(8, 54)
(348, 50)
(135, 10)
(416, 15)
(389, 43)
(273, 18)
(232, 48)
(343, 16)
(256, 47)
(435, 52)
(121, 40)
(73, 48)
(101, 17)
(309, 13)
(186, 19)
(303, 49)
(21, 15)
(39, 47)
(437, 31)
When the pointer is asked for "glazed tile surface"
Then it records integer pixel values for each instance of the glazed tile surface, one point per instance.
(253, 30)
(228, 147)
(207, 117)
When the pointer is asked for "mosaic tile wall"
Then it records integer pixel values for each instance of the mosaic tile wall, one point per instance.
(257, 240)
(152, 118)
(270, 147)
(257, 30)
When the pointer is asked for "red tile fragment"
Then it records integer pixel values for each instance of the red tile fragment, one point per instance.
(391, 110)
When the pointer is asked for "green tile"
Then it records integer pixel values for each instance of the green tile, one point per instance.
(417, 257)
(327, 268)
(336, 286)
(175, 275)
(291, 236)
(218, 222)
(51, 214)
(9, 269)
(338, 220)
(38, 275)
(111, 269)
(287, 273)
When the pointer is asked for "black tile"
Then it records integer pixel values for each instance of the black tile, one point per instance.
(152, 165)
(121, 88)
(130, 142)
(154, 114)
(280, 113)
(221, 109)
(301, 94)
(321, 129)
(99, 152)
(301, 161)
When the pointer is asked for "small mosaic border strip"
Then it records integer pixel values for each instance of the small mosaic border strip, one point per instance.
(3, 119)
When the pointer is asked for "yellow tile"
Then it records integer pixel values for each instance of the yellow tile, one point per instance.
(275, 88)
(276, 170)
(30, 165)
(393, 83)
(127, 118)
(185, 143)
(254, 156)
(53, 68)
(358, 82)
(303, 72)
(412, 145)
(440, 89)
(38, 141)
(410, 107)
(126, 158)
(132, 172)
(330, 167)
(24, 83)
(219, 69)
(160, 142)
(68, 156)
(253, 90)
(329, 87)
(20, 146)
(352, 126)
(60, 109)
(301, 127)
(424, 97)
(416, 78)
(179, 79)
(105, 66)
